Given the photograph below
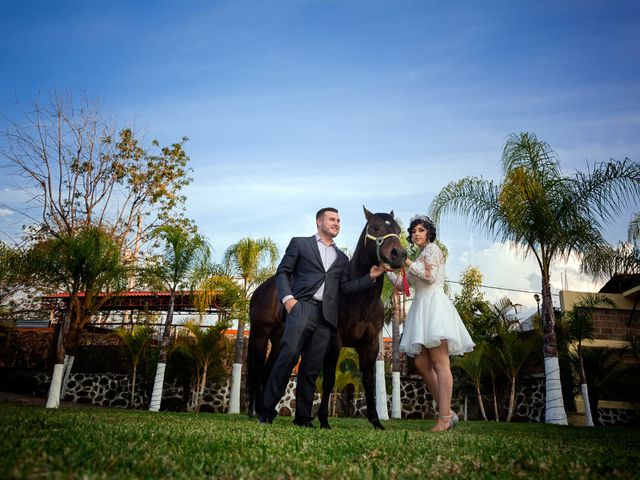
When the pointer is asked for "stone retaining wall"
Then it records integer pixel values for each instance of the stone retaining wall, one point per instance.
(114, 390)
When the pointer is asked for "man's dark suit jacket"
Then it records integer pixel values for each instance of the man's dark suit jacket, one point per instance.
(301, 273)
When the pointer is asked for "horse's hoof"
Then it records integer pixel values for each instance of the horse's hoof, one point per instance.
(324, 425)
(376, 424)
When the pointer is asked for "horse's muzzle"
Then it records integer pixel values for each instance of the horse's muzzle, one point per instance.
(395, 257)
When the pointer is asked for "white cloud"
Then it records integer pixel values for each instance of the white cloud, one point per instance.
(502, 267)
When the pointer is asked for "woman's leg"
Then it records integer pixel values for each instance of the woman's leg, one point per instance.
(428, 374)
(439, 357)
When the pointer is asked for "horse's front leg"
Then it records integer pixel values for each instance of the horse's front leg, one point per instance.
(367, 355)
(328, 381)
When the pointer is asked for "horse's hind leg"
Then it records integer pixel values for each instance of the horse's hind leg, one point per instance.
(367, 355)
(328, 381)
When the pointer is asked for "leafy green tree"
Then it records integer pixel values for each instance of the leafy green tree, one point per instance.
(472, 306)
(182, 264)
(207, 350)
(252, 261)
(136, 341)
(580, 328)
(543, 213)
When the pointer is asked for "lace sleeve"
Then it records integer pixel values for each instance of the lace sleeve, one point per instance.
(395, 280)
(427, 264)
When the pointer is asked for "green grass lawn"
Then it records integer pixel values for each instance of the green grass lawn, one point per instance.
(109, 443)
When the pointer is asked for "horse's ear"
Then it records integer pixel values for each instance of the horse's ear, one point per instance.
(367, 213)
(391, 213)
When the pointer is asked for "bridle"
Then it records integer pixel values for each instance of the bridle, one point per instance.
(379, 241)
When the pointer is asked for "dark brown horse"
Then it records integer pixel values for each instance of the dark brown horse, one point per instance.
(361, 319)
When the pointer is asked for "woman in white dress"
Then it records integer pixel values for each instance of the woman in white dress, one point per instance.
(433, 330)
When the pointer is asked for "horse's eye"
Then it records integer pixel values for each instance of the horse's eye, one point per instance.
(387, 222)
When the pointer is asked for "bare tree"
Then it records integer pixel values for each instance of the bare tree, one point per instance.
(78, 170)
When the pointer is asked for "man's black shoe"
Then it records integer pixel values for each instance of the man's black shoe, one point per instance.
(304, 424)
(265, 419)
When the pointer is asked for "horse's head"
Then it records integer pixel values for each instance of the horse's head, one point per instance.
(382, 239)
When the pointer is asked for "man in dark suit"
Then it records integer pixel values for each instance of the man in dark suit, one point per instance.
(309, 280)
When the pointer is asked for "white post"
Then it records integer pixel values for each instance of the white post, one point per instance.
(158, 383)
(234, 394)
(554, 406)
(381, 392)
(588, 419)
(53, 401)
(396, 404)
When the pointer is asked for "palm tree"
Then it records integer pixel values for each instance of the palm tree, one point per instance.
(542, 213)
(183, 263)
(87, 266)
(347, 373)
(253, 261)
(580, 328)
(207, 350)
(136, 341)
(473, 363)
(509, 354)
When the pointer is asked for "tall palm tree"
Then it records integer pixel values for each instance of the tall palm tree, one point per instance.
(252, 261)
(541, 212)
(183, 263)
(580, 328)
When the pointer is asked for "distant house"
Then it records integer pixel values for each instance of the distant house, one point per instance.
(619, 331)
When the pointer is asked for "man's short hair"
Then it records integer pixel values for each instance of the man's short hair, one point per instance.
(326, 209)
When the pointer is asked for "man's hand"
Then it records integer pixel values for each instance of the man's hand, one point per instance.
(289, 304)
(378, 270)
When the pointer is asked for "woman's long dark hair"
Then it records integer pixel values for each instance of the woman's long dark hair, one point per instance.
(426, 223)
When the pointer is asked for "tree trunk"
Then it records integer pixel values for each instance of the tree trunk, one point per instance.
(334, 401)
(484, 415)
(68, 365)
(512, 398)
(158, 383)
(396, 404)
(203, 383)
(53, 399)
(554, 405)
(236, 379)
(495, 399)
(588, 418)
(381, 387)
(133, 386)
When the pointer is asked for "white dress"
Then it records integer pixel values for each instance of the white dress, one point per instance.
(432, 316)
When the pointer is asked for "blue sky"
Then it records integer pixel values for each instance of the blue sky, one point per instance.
(294, 105)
